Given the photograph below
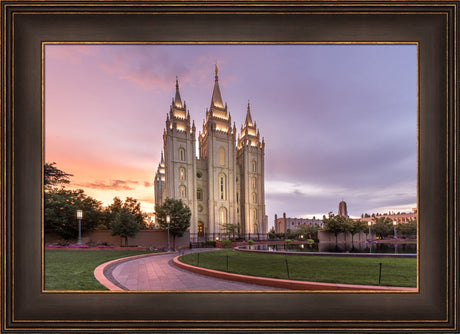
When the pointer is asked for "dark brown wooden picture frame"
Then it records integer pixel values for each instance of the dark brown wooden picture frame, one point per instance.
(27, 25)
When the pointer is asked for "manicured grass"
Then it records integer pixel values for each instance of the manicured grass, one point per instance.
(74, 269)
(346, 270)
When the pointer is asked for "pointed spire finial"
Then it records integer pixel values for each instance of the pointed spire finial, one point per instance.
(216, 69)
(248, 116)
(177, 100)
(216, 99)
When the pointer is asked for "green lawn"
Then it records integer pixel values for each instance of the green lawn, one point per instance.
(347, 270)
(74, 269)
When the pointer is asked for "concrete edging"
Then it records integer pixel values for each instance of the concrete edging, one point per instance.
(375, 255)
(99, 271)
(288, 284)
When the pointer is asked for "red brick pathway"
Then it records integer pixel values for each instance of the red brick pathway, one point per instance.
(158, 273)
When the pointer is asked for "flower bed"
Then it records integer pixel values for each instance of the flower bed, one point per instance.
(95, 247)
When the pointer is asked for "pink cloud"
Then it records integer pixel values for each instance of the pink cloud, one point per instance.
(139, 65)
(149, 200)
(112, 185)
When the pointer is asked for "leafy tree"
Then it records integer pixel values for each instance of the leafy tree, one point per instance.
(335, 224)
(407, 229)
(130, 204)
(382, 227)
(290, 234)
(180, 217)
(309, 231)
(61, 207)
(54, 177)
(231, 229)
(356, 226)
(125, 225)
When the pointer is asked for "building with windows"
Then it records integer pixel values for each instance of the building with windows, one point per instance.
(283, 224)
(225, 184)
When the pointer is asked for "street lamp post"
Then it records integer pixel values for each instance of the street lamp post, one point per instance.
(394, 230)
(168, 221)
(369, 223)
(79, 217)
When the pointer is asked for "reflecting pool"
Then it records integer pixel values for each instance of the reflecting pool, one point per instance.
(342, 247)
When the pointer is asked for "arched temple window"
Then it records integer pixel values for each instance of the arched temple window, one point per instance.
(223, 186)
(182, 191)
(200, 229)
(182, 154)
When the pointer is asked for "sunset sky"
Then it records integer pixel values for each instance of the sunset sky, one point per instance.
(339, 121)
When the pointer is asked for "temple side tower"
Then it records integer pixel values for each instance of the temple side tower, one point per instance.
(250, 159)
(159, 182)
(180, 158)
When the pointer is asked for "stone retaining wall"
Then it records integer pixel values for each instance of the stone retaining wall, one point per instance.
(324, 236)
(144, 238)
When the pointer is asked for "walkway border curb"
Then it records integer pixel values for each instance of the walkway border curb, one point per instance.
(99, 271)
(289, 284)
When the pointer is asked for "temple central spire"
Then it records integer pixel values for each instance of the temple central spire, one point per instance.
(177, 99)
(216, 100)
(248, 116)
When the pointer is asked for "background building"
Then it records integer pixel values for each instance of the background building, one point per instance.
(400, 217)
(287, 223)
(225, 185)
(343, 209)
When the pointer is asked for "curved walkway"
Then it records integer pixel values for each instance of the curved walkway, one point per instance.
(162, 272)
(158, 273)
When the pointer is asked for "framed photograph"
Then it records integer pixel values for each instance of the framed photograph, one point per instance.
(33, 30)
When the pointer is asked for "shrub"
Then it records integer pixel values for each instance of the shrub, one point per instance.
(251, 242)
(288, 241)
(226, 243)
(210, 243)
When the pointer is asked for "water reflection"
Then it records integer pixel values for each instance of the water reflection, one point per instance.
(345, 247)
